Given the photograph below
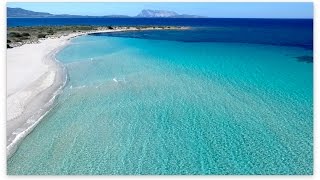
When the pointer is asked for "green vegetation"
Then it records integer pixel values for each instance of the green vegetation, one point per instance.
(25, 34)
(24, 38)
(17, 36)
(41, 35)
(50, 32)
(21, 35)
(14, 34)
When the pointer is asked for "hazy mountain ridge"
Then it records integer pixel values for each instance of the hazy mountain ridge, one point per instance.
(156, 13)
(148, 13)
(19, 12)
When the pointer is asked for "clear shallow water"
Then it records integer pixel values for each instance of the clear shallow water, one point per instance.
(147, 106)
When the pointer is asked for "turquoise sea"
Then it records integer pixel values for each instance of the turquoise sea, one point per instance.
(154, 106)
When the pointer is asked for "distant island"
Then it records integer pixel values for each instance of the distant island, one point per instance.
(145, 13)
(148, 13)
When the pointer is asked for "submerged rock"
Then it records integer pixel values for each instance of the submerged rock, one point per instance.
(306, 59)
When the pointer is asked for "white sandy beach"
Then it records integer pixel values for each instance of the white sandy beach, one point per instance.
(34, 79)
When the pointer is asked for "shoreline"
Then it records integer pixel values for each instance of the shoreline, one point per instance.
(34, 100)
(31, 93)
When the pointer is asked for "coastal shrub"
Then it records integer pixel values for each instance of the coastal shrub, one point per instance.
(24, 38)
(25, 34)
(15, 34)
(41, 35)
(50, 31)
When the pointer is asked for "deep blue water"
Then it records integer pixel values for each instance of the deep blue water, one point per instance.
(286, 32)
(229, 22)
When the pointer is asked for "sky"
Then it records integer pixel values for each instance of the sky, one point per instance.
(215, 10)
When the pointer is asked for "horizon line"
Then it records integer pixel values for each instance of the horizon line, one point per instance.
(135, 16)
